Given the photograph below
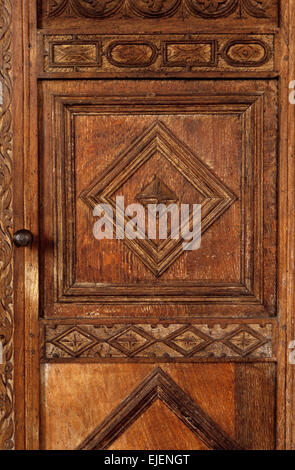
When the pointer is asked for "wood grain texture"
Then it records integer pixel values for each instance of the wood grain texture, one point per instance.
(87, 393)
(255, 403)
(286, 374)
(154, 55)
(218, 389)
(158, 386)
(170, 342)
(155, 430)
(202, 277)
(6, 222)
(226, 394)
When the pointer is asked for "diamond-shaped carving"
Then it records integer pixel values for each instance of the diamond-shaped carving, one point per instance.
(130, 341)
(75, 341)
(188, 340)
(244, 341)
(216, 197)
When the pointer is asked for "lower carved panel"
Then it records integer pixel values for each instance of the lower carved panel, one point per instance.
(165, 342)
(159, 386)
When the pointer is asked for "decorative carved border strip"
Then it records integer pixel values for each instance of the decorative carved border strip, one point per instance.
(6, 310)
(207, 9)
(159, 386)
(166, 342)
(84, 53)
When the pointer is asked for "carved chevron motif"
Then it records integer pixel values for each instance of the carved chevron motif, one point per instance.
(6, 276)
(145, 341)
(159, 386)
(209, 9)
(217, 198)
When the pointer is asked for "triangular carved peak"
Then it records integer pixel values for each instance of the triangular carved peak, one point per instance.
(158, 386)
(156, 192)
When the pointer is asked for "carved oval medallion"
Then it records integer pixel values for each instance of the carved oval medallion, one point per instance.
(212, 8)
(154, 8)
(246, 53)
(97, 8)
(131, 54)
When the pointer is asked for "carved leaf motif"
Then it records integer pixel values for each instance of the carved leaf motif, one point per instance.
(99, 6)
(211, 5)
(154, 5)
(256, 8)
(86, 8)
(213, 8)
(6, 311)
(156, 8)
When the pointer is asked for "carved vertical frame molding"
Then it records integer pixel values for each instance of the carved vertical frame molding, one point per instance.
(287, 323)
(6, 218)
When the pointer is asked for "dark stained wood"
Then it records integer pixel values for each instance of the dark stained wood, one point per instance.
(196, 13)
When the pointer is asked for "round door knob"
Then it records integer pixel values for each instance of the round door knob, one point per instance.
(22, 238)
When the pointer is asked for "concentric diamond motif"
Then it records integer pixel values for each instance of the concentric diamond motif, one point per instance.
(75, 341)
(188, 341)
(130, 341)
(216, 197)
(244, 341)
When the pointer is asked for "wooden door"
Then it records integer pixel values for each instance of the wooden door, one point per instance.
(137, 343)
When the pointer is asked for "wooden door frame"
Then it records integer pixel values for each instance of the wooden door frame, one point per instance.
(19, 380)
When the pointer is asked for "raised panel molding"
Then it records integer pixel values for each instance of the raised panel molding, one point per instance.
(66, 342)
(159, 386)
(203, 9)
(217, 198)
(6, 271)
(154, 54)
(249, 289)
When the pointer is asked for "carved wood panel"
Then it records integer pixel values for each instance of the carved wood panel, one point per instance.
(158, 386)
(144, 406)
(64, 342)
(205, 9)
(155, 54)
(216, 320)
(162, 272)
